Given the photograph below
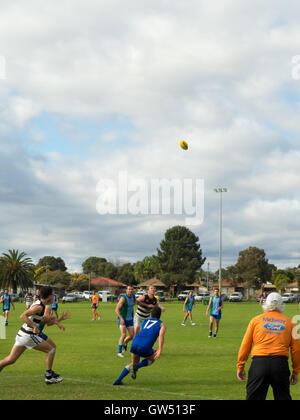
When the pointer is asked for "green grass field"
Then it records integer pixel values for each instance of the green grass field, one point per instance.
(192, 367)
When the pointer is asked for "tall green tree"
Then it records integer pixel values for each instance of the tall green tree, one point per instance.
(16, 270)
(55, 263)
(253, 267)
(179, 256)
(125, 274)
(79, 282)
(107, 269)
(281, 281)
(147, 268)
(90, 265)
(56, 278)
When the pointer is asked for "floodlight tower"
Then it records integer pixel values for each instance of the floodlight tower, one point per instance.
(220, 190)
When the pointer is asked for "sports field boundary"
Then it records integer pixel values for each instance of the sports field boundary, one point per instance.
(126, 387)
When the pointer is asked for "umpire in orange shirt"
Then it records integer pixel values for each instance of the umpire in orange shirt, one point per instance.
(271, 336)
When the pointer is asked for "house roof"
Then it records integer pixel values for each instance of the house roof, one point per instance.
(224, 283)
(104, 281)
(294, 284)
(195, 284)
(153, 282)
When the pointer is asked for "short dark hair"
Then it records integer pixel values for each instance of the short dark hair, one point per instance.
(45, 292)
(156, 312)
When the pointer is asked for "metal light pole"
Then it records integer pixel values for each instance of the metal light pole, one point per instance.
(207, 277)
(220, 190)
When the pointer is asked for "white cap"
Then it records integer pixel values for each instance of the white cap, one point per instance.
(274, 297)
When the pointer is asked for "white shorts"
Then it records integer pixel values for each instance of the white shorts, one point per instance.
(138, 320)
(27, 340)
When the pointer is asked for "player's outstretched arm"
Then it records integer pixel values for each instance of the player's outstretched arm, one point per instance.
(160, 306)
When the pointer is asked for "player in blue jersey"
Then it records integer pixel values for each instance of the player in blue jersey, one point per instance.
(124, 310)
(6, 301)
(188, 306)
(54, 306)
(214, 309)
(142, 345)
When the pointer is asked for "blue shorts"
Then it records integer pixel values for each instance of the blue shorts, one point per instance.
(141, 350)
(218, 316)
(188, 309)
(43, 336)
(54, 308)
(6, 309)
(128, 323)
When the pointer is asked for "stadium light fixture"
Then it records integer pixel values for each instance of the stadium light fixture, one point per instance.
(220, 190)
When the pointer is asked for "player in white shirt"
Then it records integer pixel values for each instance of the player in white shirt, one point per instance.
(28, 336)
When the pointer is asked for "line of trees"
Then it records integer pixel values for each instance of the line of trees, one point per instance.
(178, 260)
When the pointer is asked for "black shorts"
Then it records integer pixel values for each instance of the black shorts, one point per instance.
(265, 371)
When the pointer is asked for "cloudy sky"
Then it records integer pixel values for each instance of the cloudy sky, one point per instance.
(91, 89)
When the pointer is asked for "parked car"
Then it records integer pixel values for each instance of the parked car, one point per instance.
(183, 295)
(297, 298)
(140, 293)
(161, 296)
(79, 295)
(289, 298)
(236, 297)
(110, 296)
(87, 295)
(225, 297)
(202, 296)
(70, 297)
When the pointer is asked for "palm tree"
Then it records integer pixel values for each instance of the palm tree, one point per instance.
(16, 270)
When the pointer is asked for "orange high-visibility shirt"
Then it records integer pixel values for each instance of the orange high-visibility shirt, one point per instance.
(270, 334)
(95, 299)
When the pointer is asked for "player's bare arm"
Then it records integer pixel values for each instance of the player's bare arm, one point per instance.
(140, 302)
(184, 305)
(161, 340)
(119, 306)
(208, 307)
(160, 306)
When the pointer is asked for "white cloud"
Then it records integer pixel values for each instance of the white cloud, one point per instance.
(217, 74)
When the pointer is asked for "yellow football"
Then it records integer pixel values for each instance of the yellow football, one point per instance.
(183, 145)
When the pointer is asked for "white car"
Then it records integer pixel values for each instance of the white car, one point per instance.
(109, 295)
(236, 297)
(183, 295)
(202, 296)
(79, 295)
(289, 298)
(87, 295)
(140, 293)
(70, 297)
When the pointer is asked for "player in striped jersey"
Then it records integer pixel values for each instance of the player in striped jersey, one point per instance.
(28, 299)
(28, 336)
(145, 305)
